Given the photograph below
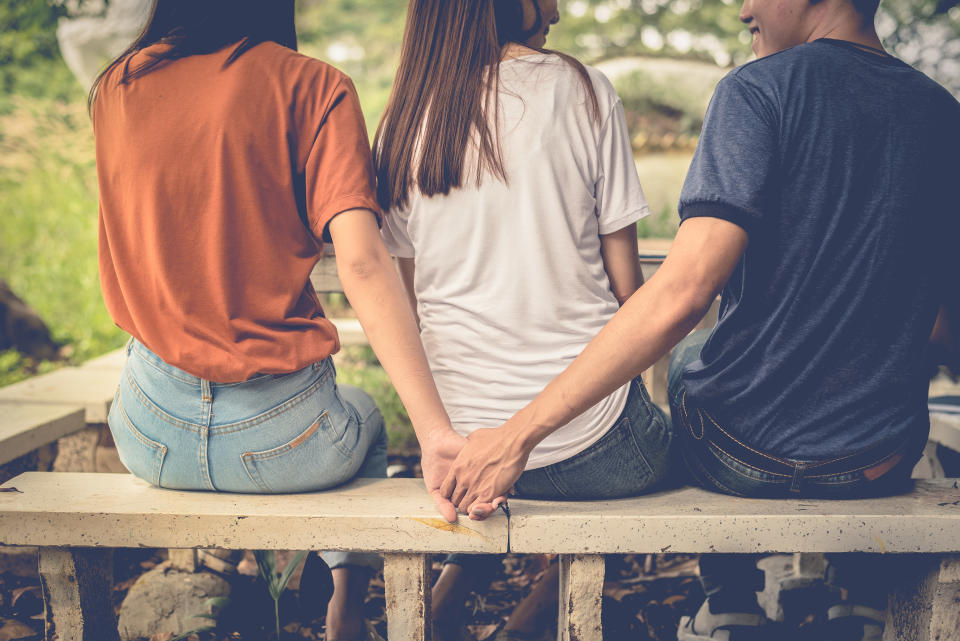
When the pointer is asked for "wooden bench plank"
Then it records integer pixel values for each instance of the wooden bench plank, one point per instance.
(692, 520)
(91, 388)
(25, 427)
(118, 510)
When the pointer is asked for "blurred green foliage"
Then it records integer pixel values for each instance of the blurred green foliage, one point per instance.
(28, 40)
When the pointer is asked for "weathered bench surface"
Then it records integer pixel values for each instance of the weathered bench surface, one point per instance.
(118, 510)
(92, 388)
(691, 520)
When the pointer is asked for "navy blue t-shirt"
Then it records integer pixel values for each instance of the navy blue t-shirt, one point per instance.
(843, 167)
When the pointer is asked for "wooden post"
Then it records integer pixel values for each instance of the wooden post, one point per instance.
(581, 594)
(407, 587)
(77, 585)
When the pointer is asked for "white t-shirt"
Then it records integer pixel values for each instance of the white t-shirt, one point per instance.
(509, 278)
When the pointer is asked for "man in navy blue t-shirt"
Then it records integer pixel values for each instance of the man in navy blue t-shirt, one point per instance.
(837, 161)
(822, 201)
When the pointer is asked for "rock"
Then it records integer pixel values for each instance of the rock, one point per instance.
(165, 600)
(14, 630)
(22, 329)
(78, 452)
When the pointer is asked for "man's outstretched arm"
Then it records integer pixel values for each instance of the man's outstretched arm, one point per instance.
(660, 314)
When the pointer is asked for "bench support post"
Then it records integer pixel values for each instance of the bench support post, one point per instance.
(407, 590)
(925, 609)
(581, 594)
(77, 584)
(185, 560)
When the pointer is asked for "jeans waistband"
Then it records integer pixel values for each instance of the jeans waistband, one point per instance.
(144, 353)
(873, 462)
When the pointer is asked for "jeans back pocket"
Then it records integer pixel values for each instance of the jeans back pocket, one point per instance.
(311, 461)
(141, 455)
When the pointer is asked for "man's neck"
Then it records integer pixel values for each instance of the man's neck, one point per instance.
(845, 23)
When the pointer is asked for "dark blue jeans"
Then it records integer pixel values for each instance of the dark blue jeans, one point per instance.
(631, 458)
(719, 461)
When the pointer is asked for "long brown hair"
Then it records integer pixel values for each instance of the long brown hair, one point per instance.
(193, 27)
(445, 93)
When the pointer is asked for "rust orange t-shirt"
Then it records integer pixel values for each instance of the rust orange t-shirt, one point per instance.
(207, 174)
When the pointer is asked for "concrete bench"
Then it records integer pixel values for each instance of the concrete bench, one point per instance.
(76, 519)
(925, 522)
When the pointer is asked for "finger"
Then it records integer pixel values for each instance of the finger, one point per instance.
(469, 499)
(479, 510)
(458, 495)
(449, 484)
(497, 502)
(446, 508)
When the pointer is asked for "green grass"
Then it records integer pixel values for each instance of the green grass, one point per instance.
(358, 366)
(48, 222)
(661, 175)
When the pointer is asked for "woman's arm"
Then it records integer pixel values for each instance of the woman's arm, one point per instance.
(373, 288)
(621, 261)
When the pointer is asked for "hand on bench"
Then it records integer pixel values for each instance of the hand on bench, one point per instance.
(483, 473)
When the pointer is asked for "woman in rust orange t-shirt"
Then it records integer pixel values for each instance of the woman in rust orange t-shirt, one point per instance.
(225, 160)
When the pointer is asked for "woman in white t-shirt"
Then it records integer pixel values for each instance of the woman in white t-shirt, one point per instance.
(512, 197)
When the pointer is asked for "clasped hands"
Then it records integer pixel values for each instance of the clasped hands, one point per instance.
(472, 474)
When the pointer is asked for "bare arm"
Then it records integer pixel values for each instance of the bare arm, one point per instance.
(621, 261)
(371, 284)
(656, 318)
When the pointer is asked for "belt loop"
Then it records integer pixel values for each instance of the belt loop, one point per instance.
(798, 470)
(129, 346)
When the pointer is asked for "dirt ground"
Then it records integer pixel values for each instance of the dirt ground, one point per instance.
(637, 605)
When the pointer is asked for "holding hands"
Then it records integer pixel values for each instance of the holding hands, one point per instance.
(485, 470)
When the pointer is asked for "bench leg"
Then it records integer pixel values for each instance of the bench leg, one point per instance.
(581, 593)
(407, 587)
(77, 584)
(926, 609)
(184, 560)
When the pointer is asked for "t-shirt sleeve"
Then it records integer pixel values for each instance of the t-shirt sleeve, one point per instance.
(620, 199)
(732, 173)
(339, 169)
(395, 235)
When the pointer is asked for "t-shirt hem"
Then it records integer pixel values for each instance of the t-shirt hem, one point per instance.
(721, 210)
(340, 205)
(618, 223)
(536, 461)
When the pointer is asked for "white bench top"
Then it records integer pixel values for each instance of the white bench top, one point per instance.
(118, 510)
(26, 426)
(692, 520)
(91, 388)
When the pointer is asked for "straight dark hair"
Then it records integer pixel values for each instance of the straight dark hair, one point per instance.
(194, 27)
(445, 93)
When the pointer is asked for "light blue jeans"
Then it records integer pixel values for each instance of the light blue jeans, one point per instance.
(296, 432)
